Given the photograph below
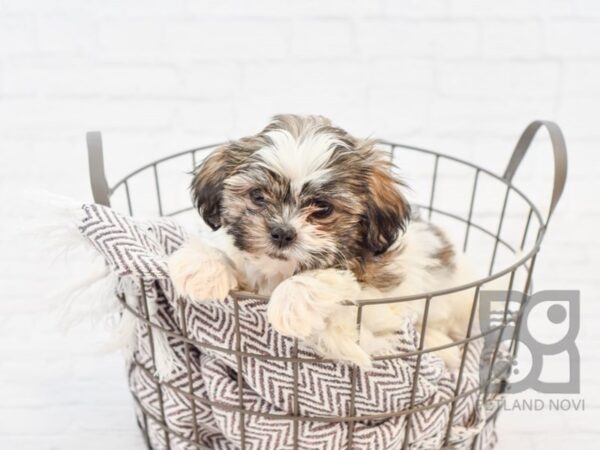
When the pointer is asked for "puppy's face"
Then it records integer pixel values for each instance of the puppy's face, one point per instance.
(302, 191)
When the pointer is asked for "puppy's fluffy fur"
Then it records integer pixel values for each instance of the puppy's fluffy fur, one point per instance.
(312, 216)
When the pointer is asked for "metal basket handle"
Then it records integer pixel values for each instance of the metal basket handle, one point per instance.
(100, 189)
(560, 158)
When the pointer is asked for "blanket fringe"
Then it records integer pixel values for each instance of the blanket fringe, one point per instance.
(94, 295)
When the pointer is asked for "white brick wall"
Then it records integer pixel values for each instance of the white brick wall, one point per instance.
(464, 76)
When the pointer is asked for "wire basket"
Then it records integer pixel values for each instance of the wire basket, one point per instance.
(500, 228)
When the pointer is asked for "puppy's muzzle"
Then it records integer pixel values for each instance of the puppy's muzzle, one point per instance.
(282, 235)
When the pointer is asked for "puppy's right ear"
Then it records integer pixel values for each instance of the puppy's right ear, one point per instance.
(209, 178)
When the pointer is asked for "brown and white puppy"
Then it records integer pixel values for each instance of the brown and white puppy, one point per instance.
(312, 216)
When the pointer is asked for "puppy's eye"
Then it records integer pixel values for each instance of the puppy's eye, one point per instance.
(324, 209)
(257, 197)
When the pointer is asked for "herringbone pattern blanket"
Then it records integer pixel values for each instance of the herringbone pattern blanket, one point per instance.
(206, 400)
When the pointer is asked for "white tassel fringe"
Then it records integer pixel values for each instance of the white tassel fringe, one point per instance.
(94, 295)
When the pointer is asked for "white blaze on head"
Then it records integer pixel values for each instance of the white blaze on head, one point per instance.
(302, 158)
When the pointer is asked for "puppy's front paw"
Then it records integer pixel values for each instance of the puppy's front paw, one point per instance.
(293, 308)
(304, 307)
(301, 305)
(200, 272)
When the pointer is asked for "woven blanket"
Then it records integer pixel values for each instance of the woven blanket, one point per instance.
(205, 399)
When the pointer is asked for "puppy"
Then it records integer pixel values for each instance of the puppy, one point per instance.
(315, 218)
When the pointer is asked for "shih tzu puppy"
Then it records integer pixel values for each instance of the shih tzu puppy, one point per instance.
(315, 218)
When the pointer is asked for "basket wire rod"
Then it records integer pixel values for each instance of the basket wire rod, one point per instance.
(295, 405)
(153, 354)
(471, 205)
(128, 197)
(500, 334)
(433, 183)
(179, 211)
(500, 224)
(392, 152)
(188, 366)
(156, 183)
(415, 380)
(526, 231)
(515, 339)
(353, 380)
(239, 366)
(462, 363)
(193, 160)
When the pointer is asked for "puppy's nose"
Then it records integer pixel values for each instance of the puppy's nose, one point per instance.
(282, 235)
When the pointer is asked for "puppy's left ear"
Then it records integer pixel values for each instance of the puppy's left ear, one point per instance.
(387, 210)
